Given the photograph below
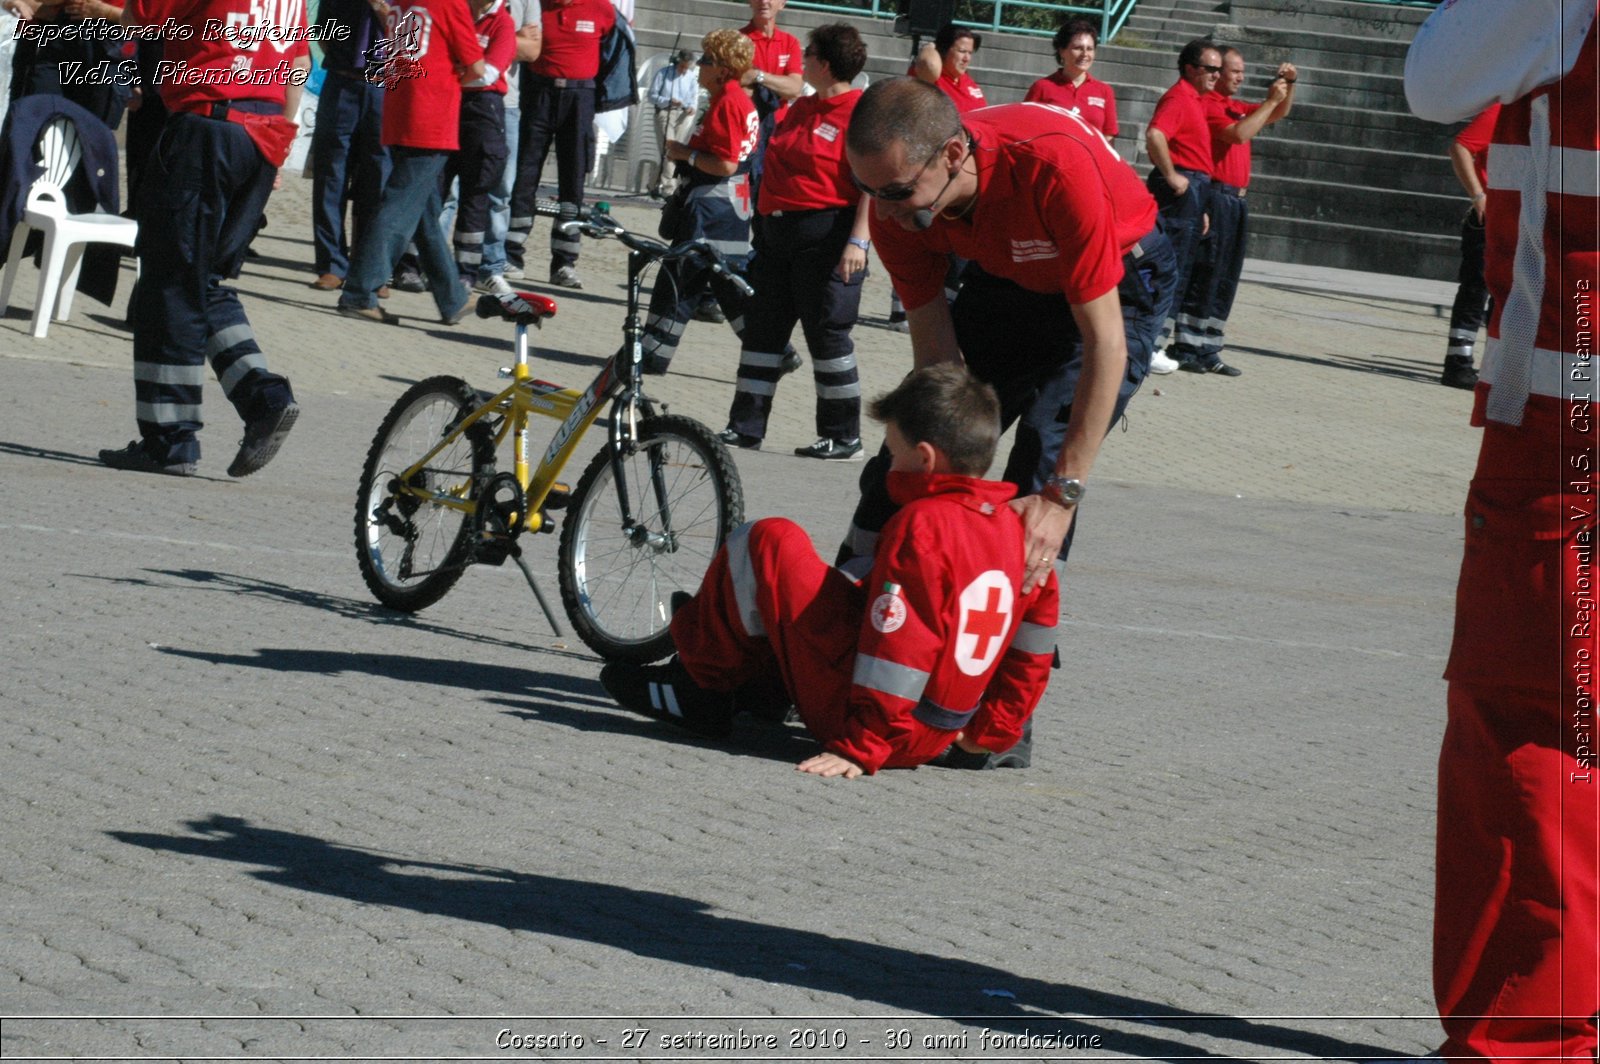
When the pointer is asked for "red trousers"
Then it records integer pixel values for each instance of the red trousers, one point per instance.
(1517, 915)
(777, 609)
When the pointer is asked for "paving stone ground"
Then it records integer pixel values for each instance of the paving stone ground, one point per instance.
(236, 791)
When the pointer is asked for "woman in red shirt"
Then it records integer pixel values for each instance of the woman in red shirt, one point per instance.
(811, 256)
(713, 200)
(1071, 87)
(944, 63)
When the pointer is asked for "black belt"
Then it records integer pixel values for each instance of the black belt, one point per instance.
(805, 213)
(560, 83)
(219, 110)
(1232, 190)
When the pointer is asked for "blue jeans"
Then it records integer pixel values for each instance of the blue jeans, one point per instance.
(410, 207)
(349, 164)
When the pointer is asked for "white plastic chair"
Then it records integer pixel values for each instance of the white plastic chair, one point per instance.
(65, 234)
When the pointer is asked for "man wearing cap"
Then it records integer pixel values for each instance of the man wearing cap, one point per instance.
(675, 93)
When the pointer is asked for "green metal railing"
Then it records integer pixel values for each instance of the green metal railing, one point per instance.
(1012, 16)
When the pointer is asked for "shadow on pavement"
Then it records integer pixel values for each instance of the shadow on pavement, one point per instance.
(23, 450)
(1406, 371)
(682, 930)
(347, 608)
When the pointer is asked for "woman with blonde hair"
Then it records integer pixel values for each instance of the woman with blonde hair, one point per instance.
(712, 201)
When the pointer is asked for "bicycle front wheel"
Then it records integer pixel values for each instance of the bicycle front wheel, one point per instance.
(619, 567)
(412, 550)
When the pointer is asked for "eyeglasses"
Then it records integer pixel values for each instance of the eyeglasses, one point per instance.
(1208, 69)
(898, 193)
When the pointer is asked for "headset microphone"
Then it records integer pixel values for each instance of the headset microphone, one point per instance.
(923, 219)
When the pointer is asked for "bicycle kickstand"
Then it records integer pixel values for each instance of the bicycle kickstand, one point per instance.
(516, 552)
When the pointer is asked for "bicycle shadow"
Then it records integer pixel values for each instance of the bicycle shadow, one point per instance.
(25, 450)
(682, 930)
(340, 606)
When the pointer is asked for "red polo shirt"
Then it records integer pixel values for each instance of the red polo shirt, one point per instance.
(1056, 211)
(806, 168)
(1183, 121)
(572, 33)
(1093, 100)
(730, 126)
(776, 53)
(239, 68)
(434, 37)
(1230, 163)
(1475, 138)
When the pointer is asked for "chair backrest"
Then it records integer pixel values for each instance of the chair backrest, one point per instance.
(59, 152)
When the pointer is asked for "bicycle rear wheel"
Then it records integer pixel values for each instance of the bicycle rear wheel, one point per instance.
(617, 580)
(412, 551)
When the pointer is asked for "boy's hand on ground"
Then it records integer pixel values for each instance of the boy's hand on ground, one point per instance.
(830, 765)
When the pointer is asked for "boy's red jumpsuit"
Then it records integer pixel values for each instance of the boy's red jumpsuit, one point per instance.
(937, 640)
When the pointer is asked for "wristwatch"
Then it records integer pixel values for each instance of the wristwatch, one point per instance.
(857, 242)
(1063, 491)
(761, 77)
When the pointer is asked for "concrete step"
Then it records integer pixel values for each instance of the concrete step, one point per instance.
(1368, 21)
(1353, 247)
(1362, 205)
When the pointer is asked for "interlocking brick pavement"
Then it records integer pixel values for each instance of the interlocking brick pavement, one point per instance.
(236, 788)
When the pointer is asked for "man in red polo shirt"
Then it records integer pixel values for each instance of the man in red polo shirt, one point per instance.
(208, 181)
(1179, 143)
(1469, 157)
(1214, 279)
(558, 109)
(778, 54)
(1063, 248)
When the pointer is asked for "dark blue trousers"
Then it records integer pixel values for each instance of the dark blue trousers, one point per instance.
(795, 275)
(202, 196)
(1213, 281)
(1027, 346)
(562, 118)
(1182, 219)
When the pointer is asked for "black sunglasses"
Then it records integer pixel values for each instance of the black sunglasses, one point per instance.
(1208, 69)
(898, 193)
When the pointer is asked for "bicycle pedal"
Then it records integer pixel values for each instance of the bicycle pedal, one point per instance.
(493, 549)
(560, 495)
(504, 373)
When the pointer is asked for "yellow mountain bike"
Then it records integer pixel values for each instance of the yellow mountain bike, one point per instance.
(643, 522)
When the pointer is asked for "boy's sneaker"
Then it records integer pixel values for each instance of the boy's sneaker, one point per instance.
(565, 277)
(666, 692)
(514, 273)
(136, 459)
(262, 438)
(832, 450)
(1161, 362)
(732, 438)
(898, 323)
(496, 286)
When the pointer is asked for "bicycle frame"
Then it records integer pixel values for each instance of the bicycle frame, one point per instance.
(577, 411)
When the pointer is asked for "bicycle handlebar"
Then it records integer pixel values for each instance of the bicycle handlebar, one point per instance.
(603, 226)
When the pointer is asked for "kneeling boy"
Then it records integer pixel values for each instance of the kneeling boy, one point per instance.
(937, 646)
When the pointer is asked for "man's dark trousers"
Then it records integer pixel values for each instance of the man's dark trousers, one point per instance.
(201, 199)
